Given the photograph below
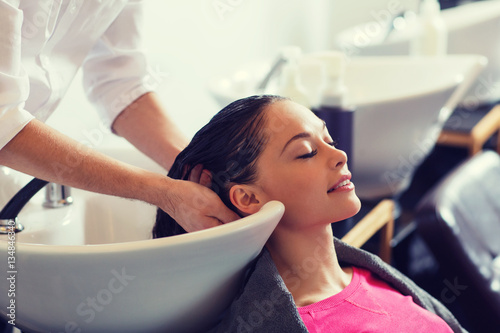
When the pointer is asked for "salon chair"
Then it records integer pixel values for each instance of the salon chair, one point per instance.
(459, 220)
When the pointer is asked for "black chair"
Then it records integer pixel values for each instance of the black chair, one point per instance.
(459, 219)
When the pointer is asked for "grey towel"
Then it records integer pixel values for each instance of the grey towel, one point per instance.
(265, 305)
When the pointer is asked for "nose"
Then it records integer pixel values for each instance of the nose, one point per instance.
(337, 158)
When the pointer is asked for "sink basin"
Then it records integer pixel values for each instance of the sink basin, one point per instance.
(92, 267)
(471, 29)
(401, 104)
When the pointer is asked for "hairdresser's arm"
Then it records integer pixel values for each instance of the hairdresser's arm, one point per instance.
(41, 151)
(149, 127)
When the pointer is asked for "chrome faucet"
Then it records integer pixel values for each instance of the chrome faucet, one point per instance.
(56, 196)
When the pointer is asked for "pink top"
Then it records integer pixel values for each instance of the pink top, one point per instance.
(368, 304)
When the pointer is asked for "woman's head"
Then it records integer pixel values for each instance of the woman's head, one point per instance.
(264, 148)
(228, 146)
(300, 167)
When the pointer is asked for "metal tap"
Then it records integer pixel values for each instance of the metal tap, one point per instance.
(56, 196)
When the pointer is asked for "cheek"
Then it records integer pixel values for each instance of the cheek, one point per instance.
(299, 195)
(289, 187)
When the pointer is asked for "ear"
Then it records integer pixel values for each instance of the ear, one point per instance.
(246, 199)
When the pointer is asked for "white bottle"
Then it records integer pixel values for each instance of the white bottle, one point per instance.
(313, 78)
(335, 90)
(289, 84)
(431, 38)
(333, 106)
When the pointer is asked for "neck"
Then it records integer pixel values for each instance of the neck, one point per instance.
(308, 264)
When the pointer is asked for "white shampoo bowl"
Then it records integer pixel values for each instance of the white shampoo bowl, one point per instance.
(400, 103)
(472, 28)
(125, 282)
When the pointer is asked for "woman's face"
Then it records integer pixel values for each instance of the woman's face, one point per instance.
(301, 168)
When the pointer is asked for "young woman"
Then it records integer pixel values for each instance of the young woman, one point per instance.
(265, 148)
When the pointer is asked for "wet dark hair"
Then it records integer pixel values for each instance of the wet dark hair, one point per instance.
(228, 146)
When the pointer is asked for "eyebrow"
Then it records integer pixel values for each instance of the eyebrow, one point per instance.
(300, 136)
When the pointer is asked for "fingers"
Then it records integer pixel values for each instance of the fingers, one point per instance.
(206, 178)
(226, 215)
(197, 207)
(222, 216)
(211, 206)
(200, 176)
(195, 174)
(204, 222)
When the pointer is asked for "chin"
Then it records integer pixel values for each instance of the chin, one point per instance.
(351, 208)
(356, 204)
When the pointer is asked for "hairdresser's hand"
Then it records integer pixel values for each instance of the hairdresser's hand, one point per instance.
(196, 207)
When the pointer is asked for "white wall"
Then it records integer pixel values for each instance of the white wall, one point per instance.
(216, 35)
(193, 40)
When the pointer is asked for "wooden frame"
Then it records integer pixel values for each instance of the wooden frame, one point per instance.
(379, 218)
(479, 134)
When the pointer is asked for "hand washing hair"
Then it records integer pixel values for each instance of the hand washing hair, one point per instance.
(228, 147)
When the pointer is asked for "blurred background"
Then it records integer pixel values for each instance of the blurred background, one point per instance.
(190, 42)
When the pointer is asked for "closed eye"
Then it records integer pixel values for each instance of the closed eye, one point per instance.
(333, 144)
(308, 155)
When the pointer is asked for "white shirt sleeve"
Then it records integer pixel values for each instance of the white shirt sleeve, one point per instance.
(116, 73)
(14, 82)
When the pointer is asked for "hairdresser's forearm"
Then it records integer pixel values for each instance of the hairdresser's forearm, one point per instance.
(47, 154)
(44, 153)
(147, 125)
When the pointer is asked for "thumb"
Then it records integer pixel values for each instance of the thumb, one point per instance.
(226, 215)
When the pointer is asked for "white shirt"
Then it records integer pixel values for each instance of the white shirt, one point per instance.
(43, 43)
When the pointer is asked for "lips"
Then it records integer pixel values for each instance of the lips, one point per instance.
(343, 181)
